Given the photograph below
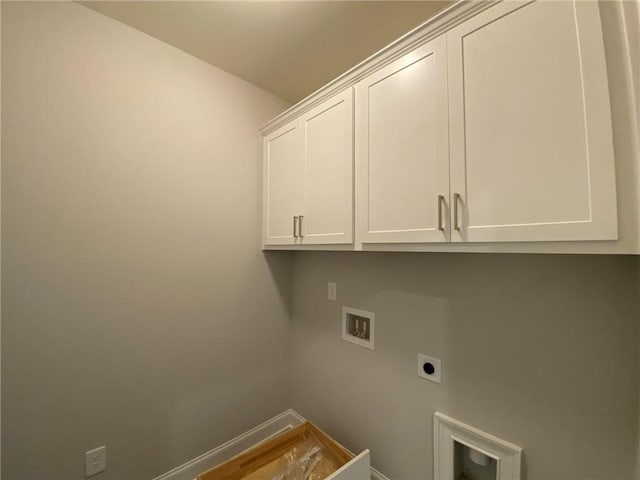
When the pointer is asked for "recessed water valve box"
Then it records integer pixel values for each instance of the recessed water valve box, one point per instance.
(358, 327)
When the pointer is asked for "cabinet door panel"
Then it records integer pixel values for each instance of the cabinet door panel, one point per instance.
(531, 148)
(402, 161)
(283, 184)
(328, 139)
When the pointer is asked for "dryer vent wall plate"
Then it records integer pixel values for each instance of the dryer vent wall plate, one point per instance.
(429, 368)
(462, 449)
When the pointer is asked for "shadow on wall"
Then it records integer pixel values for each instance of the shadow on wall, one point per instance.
(280, 266)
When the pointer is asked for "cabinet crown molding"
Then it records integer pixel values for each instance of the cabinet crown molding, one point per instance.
(440, 23)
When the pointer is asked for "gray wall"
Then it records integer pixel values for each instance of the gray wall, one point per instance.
(138, 309)
(539, 350)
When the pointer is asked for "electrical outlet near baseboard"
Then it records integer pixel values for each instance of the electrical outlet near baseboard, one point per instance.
(95, 461)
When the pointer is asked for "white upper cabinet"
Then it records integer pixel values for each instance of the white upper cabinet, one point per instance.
(402, 162)
(283, 194)
(530, 127)
(486, 129)
(308, 177)
(328, 154)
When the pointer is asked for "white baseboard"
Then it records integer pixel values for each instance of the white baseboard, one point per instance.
(376, 475)
(227, 450)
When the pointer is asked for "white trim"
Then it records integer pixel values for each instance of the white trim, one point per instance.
(447, 431)
(629, 24)
(285, 421)
(376, 475)
(0, 263)
(440, 23)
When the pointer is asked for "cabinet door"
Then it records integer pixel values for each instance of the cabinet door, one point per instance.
(402, 164)
(328, 147)
(531, 146)
(283, 195)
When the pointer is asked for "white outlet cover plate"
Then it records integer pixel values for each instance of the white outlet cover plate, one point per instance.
(95, 461)
(436, 376)
(332, 291)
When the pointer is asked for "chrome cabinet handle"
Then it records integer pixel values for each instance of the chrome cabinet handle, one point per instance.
(295, 227)
(300, 226)
(456, 198)
(440, 224)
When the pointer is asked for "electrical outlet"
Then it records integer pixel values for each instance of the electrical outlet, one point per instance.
(429, 368)
(95, 461)
(332, 291)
